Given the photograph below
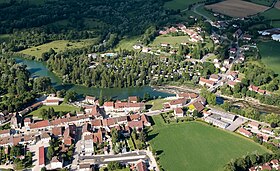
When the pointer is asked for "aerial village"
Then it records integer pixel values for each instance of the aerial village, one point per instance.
(116, 130)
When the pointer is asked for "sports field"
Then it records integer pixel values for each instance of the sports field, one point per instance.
(237, 8)
(270, 53)
(59, 45)
(62, 107)
(196, 146)
(179, 4)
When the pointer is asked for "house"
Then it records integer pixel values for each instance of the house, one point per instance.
(265, 167)
(244, 132)
(90, 99)
(232, 50)
(231, 83)
(92, 55)
(276, 37)
(42, 156)
(232, 75)
(267, 130)
(56, 163)
(246, 37)
(164, 44)
(40, 125)
(138, 125)
(27, 122)
(57, 131)
(237, 33)
(187, 95)
(51, 102)
(254, 125)
(137, 47)
(177, 103)
(88, 143)
(108, 106)
(45, 137)
(214, 77)
(196, 106)
(253, 88)
(132, 99)
(208, 83)
(4, 133)
(275, 163)
(85, 167)
(178, 112)
(140, 166)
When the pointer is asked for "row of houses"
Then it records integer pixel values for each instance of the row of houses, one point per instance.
(258, 90)
(219, 118)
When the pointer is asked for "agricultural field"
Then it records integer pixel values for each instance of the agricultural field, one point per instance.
(59, 45)
(262, 2)
(237, 8)
(270, 54)
(197, 146)
(201, 9)
(62, 107)
(180, 4)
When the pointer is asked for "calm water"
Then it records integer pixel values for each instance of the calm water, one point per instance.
(39, 69)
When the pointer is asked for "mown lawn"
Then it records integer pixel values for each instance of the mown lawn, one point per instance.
(59, 45)
(172, 40)
(62, 107)
(196, 146)
(179, 4)
(270, 53)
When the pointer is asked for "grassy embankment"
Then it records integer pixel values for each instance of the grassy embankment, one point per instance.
(59, 45)
(197, 146)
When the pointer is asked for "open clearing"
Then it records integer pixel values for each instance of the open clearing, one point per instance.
(62, 107)
(172, 40)
(196, 146)
(237, 8)
(270, 53)
(59, 45)
(180, 4)
(127, 43)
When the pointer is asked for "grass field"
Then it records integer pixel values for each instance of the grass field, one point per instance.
(196, 146)
(270, 53)
(202, 10)
(237, 8)
(272, 14)
(179, 4)
(176, 40)
(127, 43)
(59, 45)
(157, 104)
(262, 2)
(62, 107)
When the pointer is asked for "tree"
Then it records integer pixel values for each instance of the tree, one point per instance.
(50, 152)
(114, 165)
(101, 99)
(142, 136)
(70, 96)
(115, 135)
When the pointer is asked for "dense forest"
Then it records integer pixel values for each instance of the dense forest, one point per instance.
(17, 90)
(30, 24)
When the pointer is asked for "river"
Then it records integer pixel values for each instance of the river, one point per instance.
(39, 69)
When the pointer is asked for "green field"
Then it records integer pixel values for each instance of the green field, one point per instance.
(202, 10)
(172, 40)
(59, 45)
(157, 104)
(270, 53)
(127, 43)
(4, 37)
(262, 2)
(62, 107)
(272, 14)
(179, 4)
(196, 146)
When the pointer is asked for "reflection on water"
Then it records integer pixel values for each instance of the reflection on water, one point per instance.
(39, 69)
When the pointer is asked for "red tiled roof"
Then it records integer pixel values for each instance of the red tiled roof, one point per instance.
(244, 131)
(132, 99)
(201, 79)
(5, 131)
(42, 155)
(96, 122)
(178, 111)
(133, 117)
(52, 100)
(57, 131)
(178, 101)
(108, 104)
(40, 124)
(198, 106)
(135, 124)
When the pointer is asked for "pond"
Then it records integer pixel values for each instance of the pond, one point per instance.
(39, 69)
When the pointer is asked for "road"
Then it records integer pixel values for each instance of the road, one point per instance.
(194, 9)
